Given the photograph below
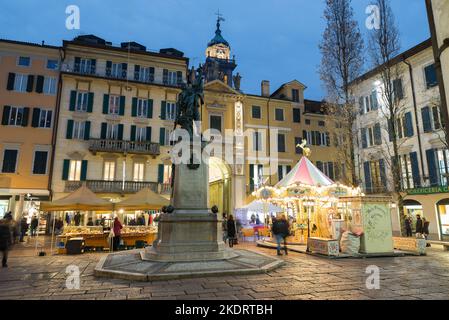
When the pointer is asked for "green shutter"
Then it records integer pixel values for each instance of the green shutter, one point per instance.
(160, 173)
(35, 118)
(134, 108)
(163, 110)
(251, 177)
(90, 102)
(150, 108)
(120, 132)
(87, 130)
(83, 170)
(133, 133)
(104, 127)
(6, 112)
(72, 100)
(65, 169)
(148, 134)
(122, 105)
(69, 132)
(105, 104)
(162, 136)
(26, 113)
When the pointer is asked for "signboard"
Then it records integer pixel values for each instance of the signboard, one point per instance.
(428, 190)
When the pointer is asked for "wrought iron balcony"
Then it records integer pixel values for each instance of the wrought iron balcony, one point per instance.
(132, 147)
(101, 186)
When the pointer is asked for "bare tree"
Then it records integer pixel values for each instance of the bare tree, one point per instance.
(384, 45)
(342, 60)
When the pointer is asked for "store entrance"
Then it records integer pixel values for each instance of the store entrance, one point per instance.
(219, 185)
(443, 218)
(412, 208)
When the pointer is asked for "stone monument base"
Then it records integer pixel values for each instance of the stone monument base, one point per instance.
(129, 265)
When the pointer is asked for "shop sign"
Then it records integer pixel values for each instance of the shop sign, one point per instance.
(428, 190)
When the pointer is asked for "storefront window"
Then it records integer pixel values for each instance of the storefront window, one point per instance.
(443, 166)
(443, 211)
(3, 208)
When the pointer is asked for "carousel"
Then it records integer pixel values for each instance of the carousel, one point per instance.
(322, 214)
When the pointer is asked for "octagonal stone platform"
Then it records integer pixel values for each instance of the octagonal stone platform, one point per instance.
(130, 266)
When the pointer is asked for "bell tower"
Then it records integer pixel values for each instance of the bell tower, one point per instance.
(219, 65)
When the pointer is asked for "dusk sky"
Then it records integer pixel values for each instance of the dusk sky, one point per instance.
(276, 40)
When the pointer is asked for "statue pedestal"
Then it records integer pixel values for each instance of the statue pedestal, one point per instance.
(192, 232)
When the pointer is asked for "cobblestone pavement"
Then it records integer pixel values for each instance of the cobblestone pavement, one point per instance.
(302, 277)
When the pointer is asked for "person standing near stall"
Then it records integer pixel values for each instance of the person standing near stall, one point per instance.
(6, 239)
(281, 230)
(34, 225)
(418, 228)
(117, 227)
(232, 231)
(23, 228)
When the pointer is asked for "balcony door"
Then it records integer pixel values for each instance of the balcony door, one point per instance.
(138, 171)
(109, 171)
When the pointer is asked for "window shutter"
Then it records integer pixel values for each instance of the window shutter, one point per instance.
(280, 176)
(104, 128)
(397, 88)
(105, 104)
(90, 101)
(304, 135)
(165, 76)
(374, 101)
(289, 168)
(122, 105)
(69, 132)
(328, 139)
(383, 174)
(148, 134)
(40, 84)
(133, 133)
(134, 108)
(319, 165)
(72, 100)
(93, 66)
(432, 166)
(151, 74)
(26, 113)
(65, 169)
(83, 174)
(30, 83)
(377, 135)
(427, 124)
(361, 107)
(11, 80)
(390, 130)
(120, 132)
(318, 138)
(36, 116)
(330, 166)
(408, 124)
(6, 112)
(87, 130)
(366, 169)
(415, 169)
(251, 177)
(124, 70)
(179, 77)
(108, 68)
(160, 173)
(436, 117)
(136, 72)
(163, 110)
(364, 141)
(296, 115)
(162, 136)
(150, 109)
(76, 67)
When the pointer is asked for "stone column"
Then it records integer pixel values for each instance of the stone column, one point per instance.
(18, 212)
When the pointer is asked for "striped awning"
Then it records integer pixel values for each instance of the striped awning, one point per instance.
(306, 173)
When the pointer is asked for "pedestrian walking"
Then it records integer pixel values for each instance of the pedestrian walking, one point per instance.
(33, 226)
(425, 229)
(408, 226)
(23, 228)
(281, 230)
(232, 230)
(419, 225)
(224, 227)
(117, 228)
(5, 239)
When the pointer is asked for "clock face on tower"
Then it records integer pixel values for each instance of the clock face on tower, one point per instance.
(218, 51)
(221, 53)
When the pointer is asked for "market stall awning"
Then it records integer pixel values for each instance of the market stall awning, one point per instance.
(82, 199)
(145, 199)
(261, 206)
(306, 173)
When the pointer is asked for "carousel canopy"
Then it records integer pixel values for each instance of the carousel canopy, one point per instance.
(145, 199)
(261, 206)
(306, 173)
(82, 199)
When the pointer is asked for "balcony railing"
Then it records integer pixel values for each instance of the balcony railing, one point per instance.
(123, 75)
(101, 186)
(133, 147)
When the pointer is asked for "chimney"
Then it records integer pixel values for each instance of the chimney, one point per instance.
(265, 86)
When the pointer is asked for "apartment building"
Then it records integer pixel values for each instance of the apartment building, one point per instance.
(420, 137)
(29, 75)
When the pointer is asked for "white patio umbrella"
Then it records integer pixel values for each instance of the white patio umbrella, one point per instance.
(262, 206)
